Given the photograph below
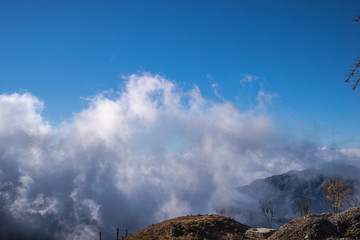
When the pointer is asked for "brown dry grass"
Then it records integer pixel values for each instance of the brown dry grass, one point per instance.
(194, 227)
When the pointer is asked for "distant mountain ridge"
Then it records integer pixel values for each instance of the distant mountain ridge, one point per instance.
(281, 189)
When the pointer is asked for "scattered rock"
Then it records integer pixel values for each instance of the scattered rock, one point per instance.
(260, 232)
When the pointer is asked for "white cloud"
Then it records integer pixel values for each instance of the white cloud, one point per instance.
(248, 79)
(149, 152)
(172, 208)
(264, 99)
(215, 88)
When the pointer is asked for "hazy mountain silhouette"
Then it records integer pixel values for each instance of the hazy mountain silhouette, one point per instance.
(282, 188)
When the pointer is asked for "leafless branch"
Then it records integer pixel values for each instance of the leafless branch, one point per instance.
(267, 209)
(354, 74)
(303, 204)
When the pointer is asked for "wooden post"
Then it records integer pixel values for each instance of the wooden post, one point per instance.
(117, 234)
(100, 235)
(126, 233)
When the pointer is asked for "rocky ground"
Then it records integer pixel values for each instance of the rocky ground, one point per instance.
(345, 225)
(326, 226)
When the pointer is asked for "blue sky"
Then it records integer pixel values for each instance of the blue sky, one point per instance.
(206, 96)
(298, 51)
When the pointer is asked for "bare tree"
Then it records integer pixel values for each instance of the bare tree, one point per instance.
(354, 201)
(303, 204)
(337, 192)
(267, 209)
(355, 72)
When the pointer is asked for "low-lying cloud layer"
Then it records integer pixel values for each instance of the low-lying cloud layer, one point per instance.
(147, 153)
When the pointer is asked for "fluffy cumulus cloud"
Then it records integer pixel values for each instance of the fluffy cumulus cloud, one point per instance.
(149, 152)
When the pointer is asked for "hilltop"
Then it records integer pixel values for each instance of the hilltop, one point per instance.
(192, 227)
(345, 225)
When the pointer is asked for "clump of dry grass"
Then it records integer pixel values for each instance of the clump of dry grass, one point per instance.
(210, 227)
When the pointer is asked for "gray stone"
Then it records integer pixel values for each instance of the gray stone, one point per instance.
(260, 232)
